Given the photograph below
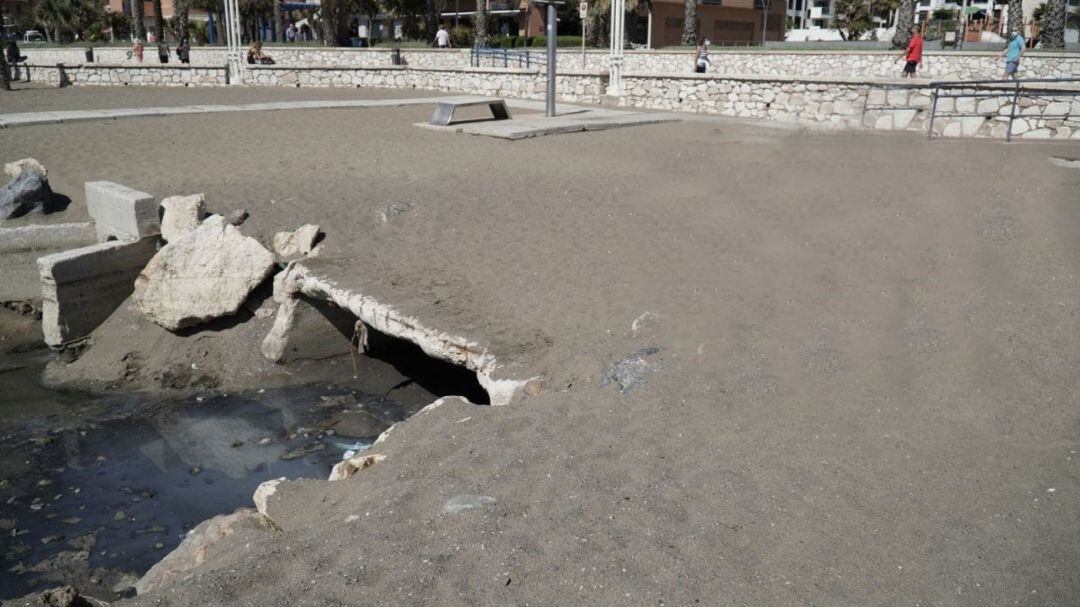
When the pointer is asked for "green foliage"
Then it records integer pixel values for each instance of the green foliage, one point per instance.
(199, 32)
(943, 14)
(461, 36)
(534, 41)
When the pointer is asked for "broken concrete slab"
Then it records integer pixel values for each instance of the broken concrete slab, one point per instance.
(309, 329)
(347, 468)
(299, 242)
(204, 275)
(80, 288)
(28, 192)
(181, 215)
(20, 279)
(120, 212)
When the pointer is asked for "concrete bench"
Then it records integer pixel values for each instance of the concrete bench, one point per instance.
(444, 110)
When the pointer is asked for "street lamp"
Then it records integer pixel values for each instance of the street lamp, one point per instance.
(552, 32)
(615, 57)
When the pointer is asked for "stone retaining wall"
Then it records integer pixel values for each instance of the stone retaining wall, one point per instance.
(819, 102)
(802, 64)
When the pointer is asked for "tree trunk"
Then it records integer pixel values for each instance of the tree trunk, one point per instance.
(137, 18)
(328, 20)
(689, 30)
(159, 21)
(1053, 33)
(277, 29)
(182, 7)
(480, 29)
(431, 19)
(1016, 16)
(4, 84)
(905, 20)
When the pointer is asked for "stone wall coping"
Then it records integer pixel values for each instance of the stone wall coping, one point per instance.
(647, 52)
(126, 66)
(894, 82)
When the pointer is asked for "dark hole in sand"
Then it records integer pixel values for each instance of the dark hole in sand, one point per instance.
(434, 375)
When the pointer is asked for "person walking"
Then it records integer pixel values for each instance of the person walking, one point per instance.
(183, 51)
(163, 51)
(913, 55)
(137, 50)
(442, 37)
(1012, 53)
(701, 57)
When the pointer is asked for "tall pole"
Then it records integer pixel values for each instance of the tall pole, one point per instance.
(551, 31)
(615, 58)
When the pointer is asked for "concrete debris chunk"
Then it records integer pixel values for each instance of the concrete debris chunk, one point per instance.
(461, 503)
(349, 467)
(299, 242)
(237, 217)
(13, 169)
(263, 493)
(181, 215)
(120, 212)
(204, 275)
(28, 192)
(192, 552)
(631, 372)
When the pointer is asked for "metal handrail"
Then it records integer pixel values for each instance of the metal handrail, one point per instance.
(981, 89)
(524, 59)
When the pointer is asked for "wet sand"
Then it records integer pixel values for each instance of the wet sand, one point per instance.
(865, 394)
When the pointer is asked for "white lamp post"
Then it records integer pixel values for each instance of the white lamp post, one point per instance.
(615, 58)
(233, 44)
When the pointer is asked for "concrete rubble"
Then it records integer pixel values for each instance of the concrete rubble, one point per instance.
(82, 287)
(181, 215)
(308, 329)
(204, 275)
(121, 213)
(299, 242)
(13, 169)
(20, 248)
(349, 467)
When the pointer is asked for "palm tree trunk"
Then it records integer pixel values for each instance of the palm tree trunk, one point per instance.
(137, 18)
(4, 84)
(905, 19)
(159, 21)
(689, 30)
(277, 29)
(480, 29)
(182, 7)
(329, 21)
(1053, 33)
(1016, 16)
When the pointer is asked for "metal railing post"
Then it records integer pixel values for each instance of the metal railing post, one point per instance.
(933, 113)
(1012, 112)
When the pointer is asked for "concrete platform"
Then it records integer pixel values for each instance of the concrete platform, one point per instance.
(538, 126)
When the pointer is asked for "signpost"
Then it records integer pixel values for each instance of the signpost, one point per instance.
(583, 13)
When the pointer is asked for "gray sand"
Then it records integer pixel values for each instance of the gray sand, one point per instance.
(866, 391)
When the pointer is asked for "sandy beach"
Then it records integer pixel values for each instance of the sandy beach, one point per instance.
(865, 388)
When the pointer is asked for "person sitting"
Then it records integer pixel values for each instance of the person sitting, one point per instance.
(255, 55)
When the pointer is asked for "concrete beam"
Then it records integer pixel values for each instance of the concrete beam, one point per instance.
(20, 247)
(82, 287)
(120, 212)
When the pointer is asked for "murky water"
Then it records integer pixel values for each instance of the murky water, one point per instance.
(96, 489)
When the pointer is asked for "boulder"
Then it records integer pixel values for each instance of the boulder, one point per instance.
(299, 242)
(204, 275)
(192, 551)
(28, 192)
(262, 494)
(14, 168)
(347, 468)
(182, 214)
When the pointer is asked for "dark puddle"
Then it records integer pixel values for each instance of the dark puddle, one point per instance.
(96, 489)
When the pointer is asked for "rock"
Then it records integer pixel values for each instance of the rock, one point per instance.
(299, 242)
(302, 451)
(630, 372)
(26, 164)
(347, 468)
(182, 214)
(28, 192)
(65, 596)
(237, 217)
(262, 495)
(202, 276)
(192, 551)
(461, 503)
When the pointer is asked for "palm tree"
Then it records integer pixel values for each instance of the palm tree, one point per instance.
(599, 10)
(689, 28)
(905, 20)
(1016, 16)
(159, 21)
(1052, 34)
(181, 7)
(480, 27)
(52, 16)
(138, 17)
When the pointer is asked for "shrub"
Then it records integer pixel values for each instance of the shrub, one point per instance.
(461, 36)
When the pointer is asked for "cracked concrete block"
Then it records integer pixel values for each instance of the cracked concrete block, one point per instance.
(80, 288)
(120, 212)
(20, 248)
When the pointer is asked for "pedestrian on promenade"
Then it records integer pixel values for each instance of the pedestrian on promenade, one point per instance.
(701, 57)
(290, 33)
(163, 52)
(183, 51)
(1012, 53)
(913, 54)
(442, 38)
(137, 50)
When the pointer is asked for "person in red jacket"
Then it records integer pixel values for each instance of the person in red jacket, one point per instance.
(913, 54)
